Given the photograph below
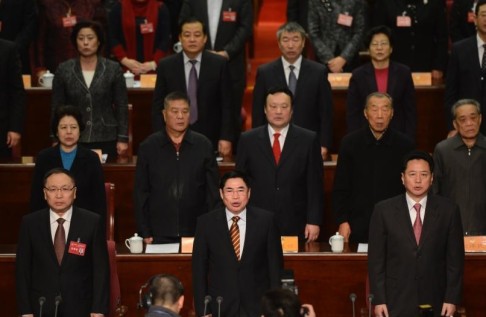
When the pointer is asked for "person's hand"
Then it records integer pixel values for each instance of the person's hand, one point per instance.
(448, 310)
(451, 133)
(336, 64)
(121, 148)
(311, 232)
(324, 153)
(381, 311)
(133, 65)
(28, 315)
(148, 67)
(345, 230)
(222, 53)
(310, 310)
(13, 138)
(437, 74)
(96, 315)
(148, 240)
(224, 148)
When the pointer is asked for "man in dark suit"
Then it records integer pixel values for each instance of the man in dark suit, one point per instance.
(312, 108)
(62, 259)
(368, 168)
(416, 247)
(230, 25)
(212, 114)
(288, 181)
(176, 178)
(466, 77)
(383, 75)
(12, 98)
(237, 253)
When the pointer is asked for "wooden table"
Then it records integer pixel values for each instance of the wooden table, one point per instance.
(324, 279)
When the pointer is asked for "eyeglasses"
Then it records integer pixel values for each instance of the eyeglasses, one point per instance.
(63, 190)
(230, 192)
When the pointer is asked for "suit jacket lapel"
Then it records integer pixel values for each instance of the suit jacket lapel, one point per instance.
(264, 144)
(179, 74)
(431, 213)
(78, 74)
(392, 79)
(221, 222)
(403, 217)
(251, 229)
(279, 72)
(371, 78)
(291, 142)
(47, 236)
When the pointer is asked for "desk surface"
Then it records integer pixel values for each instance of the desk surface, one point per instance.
(324, 279)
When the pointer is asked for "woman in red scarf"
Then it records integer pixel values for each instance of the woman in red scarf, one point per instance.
(139, 34)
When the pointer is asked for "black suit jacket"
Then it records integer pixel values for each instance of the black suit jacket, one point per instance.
(400, 88)
(459, 26)
(215, 113)
(217, 272)
(464, 77)
(404, 275)
(12, 94)
(293, 188)
(87, 171)
(231, 36)
(82, 281)
(312, 108)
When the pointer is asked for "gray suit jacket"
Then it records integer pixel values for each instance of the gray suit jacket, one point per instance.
(104, 104)
(404, 275)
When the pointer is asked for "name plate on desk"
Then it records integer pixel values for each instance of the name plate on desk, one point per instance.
(147, 80)
(339, 79)
(290, 244)
(422, 79)
(475, 243)
(186, 244)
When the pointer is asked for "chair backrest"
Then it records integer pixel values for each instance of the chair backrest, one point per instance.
(116, 309)
(110, 211)
(130, 131)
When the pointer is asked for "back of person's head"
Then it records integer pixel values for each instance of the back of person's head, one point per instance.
(478, 5)
(95, 26)
(67, 111)
(166, 290)
(192, 19)
(280, 303)
(291, 27)
(380, 29)
(418, 155)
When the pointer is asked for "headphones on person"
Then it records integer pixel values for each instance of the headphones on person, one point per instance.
(147, 290)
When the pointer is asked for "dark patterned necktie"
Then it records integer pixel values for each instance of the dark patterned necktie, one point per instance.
(292, 80)
(60, 240)
(192, 92)
(417, 225)
(235, 236)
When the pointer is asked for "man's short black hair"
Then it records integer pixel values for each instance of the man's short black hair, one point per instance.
(175, 95)
(478, 4)
(234, 174)
(418, 155)
(281, 89)
(165, 288)
(192, 19)
(59, 170)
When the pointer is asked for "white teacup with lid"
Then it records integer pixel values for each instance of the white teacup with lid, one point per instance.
(46, 79)
(135, 244)
(337, 243)
(129, 79)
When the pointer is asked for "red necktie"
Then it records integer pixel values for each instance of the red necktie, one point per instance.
(417, 225)
(59, 240)
(235, 236)
(276, 147)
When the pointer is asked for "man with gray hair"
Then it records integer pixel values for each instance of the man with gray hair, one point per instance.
(306, 79)
(460, 166)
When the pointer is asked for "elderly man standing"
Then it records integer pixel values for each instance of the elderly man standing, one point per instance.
(368, 168)
(460, 166)
(176, 178)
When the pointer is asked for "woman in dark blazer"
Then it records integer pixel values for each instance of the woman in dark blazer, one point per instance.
(97, 87)
(382, 75)
(83, 163)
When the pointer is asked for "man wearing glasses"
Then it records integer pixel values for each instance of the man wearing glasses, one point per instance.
(62, 261)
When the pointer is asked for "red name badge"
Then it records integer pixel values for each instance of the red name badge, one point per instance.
(229, 16)
(77, 248)
(344, 19)
(404, 22)
(69, 21)
(470, 17)
(0, 26)
(146, 28)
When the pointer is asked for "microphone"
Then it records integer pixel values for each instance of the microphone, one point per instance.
(219, 299)
(207, 300)
(370, 299)
(57, 300)
(352, 297)
(42, 300)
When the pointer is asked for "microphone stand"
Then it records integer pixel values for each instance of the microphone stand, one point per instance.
(42, 300)
(352, 297)
(58, 301)
(370, 299)
(207, 300)
(219, 299)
